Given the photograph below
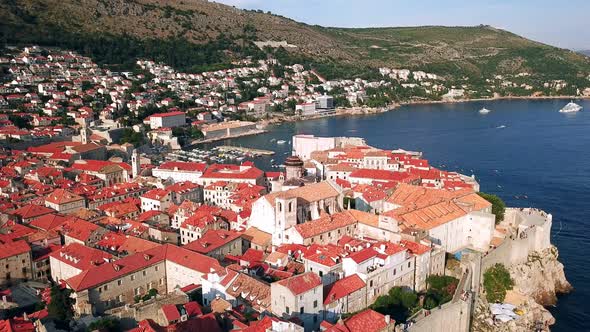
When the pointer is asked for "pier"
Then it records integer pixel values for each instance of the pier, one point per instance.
(242, 149)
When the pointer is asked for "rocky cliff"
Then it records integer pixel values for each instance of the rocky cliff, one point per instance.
(536, 284)
(541, 277)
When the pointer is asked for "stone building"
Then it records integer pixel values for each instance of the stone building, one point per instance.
(15, 262)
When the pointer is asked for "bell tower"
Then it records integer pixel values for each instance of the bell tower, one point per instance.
(135, 163)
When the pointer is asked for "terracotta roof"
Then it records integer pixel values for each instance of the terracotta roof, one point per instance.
(31, 210)
(101, 274)
(80, 256)
(10, 249)
(301, 283)
(183, 166)
(250, 290)
(325, 224)
(365, 321)
(79, 229)
(414, 247)
(170, 312)
(366, 218)
(342, 288)
(156, 194)
(227, 171)
(62, 196)
(258, 237)
(212, 240)
(310, 193)
(383, 175)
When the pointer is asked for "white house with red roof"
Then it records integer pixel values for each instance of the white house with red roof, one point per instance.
(167, 120)
(117, 283)
(156, 199)
(344, 296)
(64, 201)
(299, 297)
(382, 266)
(74, 258)
(179, 171)
(244, 173)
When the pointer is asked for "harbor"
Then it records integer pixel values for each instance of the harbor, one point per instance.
(245, 150)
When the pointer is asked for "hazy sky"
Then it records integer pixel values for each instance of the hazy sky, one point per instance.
(564, 23)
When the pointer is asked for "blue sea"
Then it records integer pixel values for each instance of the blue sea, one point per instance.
(522, 148)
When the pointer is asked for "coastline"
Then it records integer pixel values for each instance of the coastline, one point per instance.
(362, 111)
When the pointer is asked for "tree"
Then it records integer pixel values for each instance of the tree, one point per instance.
(496, 281)
(20, 121)
(498, 205)
(105, 324)
(60, 307)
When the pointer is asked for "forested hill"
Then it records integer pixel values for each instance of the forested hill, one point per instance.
(197, 35)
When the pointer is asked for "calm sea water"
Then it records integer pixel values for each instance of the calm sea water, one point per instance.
(521, 148)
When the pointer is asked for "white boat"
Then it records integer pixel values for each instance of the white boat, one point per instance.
(484, 111)
(281, 142)
(571, 107)
(501, 127)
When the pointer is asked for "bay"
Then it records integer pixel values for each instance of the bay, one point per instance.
(522, 148)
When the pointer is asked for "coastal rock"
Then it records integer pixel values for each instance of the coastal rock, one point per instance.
(541, 277)
(538, 281)
(534, 316)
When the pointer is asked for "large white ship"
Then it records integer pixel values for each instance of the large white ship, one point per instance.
(571, 108)
(484, 111)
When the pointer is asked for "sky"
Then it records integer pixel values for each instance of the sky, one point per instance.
(562, 23)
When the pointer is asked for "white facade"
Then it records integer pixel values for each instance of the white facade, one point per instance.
(178, 276)
(304, 145)
(177, 175)
(167, 120)
(61, 270)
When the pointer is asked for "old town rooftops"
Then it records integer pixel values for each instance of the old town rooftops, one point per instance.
(81, 256)
(301, 283)
(325, 224)
(62, 196)
(10, 249)
(212, 240)
(310, 193)
(104, 273)
(342, 288)
(183, 166)
(226, 171)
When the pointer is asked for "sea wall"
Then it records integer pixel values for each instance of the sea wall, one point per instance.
(452, 316)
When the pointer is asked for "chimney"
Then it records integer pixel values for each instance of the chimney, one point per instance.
(387, 319)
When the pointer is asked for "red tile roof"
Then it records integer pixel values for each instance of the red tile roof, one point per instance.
(212, 240)
(101, 274)
(81, 257)
(183, 166)
(10, 249)
(301, 283)
(365, 321)
(49, 221)
(342, 288)
(170, 312)
(225, 171)
(164, 115)
(62, 196)
(31, 211)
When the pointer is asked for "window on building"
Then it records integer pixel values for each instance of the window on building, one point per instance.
(287, 310)
(119, 282)
(132, 277)
(315, 303)
(371, 283)
(321, 274)
(301, 310)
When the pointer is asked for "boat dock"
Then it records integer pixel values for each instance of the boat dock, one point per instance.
(253, 151)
